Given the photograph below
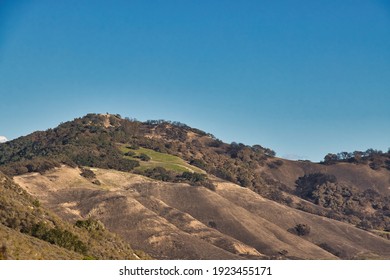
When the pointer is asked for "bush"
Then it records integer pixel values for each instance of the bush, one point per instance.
(96, 182)
(197, 179)
(212, 224)
(130, 154)
(215, 143)
(198, 163)
(330, 249)
(300, 229)
(36, 203)
(193, 177)
(87, 173)
(90, 225)
(144, 157)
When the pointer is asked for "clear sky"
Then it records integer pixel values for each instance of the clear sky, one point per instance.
(301, 77)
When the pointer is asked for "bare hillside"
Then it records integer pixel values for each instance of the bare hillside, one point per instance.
(179, 221)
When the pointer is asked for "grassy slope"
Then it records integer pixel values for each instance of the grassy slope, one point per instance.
(169, 162)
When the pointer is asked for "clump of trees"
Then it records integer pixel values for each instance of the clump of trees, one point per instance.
(162, 174)
(347, 203)
(158, 173)
(59, 237)
(90, 224)
(193, 177)
(376, 159)
(40, 165)
(196, 179)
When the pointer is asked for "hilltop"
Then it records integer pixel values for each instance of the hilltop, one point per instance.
(178, 192)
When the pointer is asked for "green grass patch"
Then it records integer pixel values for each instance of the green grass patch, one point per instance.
(157, 159)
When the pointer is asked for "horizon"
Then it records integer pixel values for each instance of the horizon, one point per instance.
(303, 80)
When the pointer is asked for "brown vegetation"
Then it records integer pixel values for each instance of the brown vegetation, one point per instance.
(21, 215)
(348, 187)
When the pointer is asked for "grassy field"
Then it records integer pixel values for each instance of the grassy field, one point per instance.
(157, 159)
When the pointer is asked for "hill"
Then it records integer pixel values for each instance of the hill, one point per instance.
(180, 221)
(178, 192)
(29, 231)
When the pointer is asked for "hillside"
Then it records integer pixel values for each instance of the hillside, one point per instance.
(177, 192)
(177, 220)
(29, 231)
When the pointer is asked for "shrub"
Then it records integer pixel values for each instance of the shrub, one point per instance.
(197, 179)
(300, 229)
(212, 224)
(198, 163)
(96, 182)
(193, 177)
(90, 225)
(144, 157)
(130, 154)
(87, 173)
(215, 143)
(330, 249)
(36, 203)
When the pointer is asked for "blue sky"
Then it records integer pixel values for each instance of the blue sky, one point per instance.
(301, 77)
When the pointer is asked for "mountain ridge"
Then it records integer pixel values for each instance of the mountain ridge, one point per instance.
(186, 159)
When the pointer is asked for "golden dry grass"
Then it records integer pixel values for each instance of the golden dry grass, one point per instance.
(178, 221)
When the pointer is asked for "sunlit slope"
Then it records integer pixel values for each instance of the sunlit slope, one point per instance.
(118, 206)
(157, 159)
(29, 230)
(342, 239)
(179, 221)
